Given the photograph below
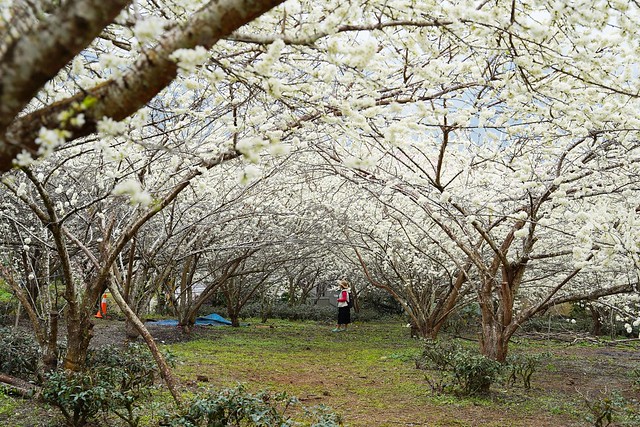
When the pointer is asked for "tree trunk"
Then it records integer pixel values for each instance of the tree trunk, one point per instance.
(596, 329)
(188, 321)
(234, 318)
(493, 344)
(79, 319)
(165, 370)
(79, 334)
(50, 356)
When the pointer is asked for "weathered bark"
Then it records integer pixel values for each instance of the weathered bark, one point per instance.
(79, 320)
(596, 328)
(493, 344)
(19, 386)
(235, 320)
(496, 302)
(50, 356)
(165, 370)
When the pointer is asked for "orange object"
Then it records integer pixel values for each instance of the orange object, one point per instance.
(103, 307)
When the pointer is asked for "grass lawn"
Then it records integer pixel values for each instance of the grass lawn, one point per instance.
(368, 374)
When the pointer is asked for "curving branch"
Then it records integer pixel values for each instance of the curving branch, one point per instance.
(36, 57)
(152, 72)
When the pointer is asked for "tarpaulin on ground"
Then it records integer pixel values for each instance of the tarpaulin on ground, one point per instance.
(212, 319)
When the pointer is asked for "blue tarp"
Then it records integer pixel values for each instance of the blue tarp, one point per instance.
(212, 319)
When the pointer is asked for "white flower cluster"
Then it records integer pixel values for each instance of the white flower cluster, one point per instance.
(189, 59)
(24, 158)
(249, 174)
(111, 64)
(133, 189)
(358, 56)
(273, 53)
(359, 163)
(5, 10)
(50, 139)
(251, 147)
(149, 29)
(109, 127)
(521, 233)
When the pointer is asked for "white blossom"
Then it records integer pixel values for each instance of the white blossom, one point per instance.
(249, 174)
(520, 233)
(50, 139)
(134, 190)
(189, 59)
(108, 126)
(149, 29)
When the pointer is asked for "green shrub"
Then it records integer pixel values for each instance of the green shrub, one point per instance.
(475, 373)
(116, 382)
(8, 303)
(281, 310)
(469, 373)
(235, 407)
(5, 295)
(610, 407)
(522, 366)
(20, 354)
(131, 373)
(78, 395)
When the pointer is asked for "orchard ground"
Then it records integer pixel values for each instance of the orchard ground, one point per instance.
(369, 374)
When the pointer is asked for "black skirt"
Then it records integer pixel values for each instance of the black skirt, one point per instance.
(344, 315)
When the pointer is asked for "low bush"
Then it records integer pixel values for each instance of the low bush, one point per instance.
(20, 354)
(468, 373)
(7, 305)
(611, 407)
(78, 395)
(116, 382)
(236, 407)
(522, 366)
(305, 312)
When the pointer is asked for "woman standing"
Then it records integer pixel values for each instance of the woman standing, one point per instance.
(344, 311)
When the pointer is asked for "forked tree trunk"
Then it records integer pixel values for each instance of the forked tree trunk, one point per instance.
(496, 307)
(493, 344)
(79, 334)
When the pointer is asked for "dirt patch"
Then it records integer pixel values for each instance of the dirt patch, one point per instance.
(112, 332)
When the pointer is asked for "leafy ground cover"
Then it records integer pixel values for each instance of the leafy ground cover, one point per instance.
(369, 375)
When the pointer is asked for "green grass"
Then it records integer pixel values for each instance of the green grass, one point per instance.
(5, 295)
(7, 405)
(371, 369)
(369, 375)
